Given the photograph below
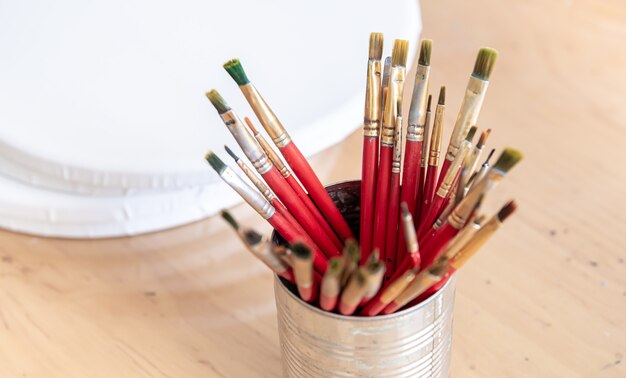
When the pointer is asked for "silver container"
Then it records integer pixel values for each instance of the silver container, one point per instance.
(414, 342)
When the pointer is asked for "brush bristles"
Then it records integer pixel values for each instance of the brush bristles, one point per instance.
(425, 50)
(300, 250)
(484, 63)
(218, 101)
(250, 125)
(508, 158)
(215, 162)
(493, 150)
(374, 256)
(351, 250)
(230, 219)
(471, 133)
(430, 99)
(483, 138)
(507, 210)
(400, 52)
(386, 71)
(235, 70)
(335, 266)
(376, 46)
(442, 95)
(231, 153)
(252, 237)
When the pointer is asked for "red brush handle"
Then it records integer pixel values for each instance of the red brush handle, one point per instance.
(431, 217)
(280, 208)
(434, 245)
(410, 179)
(444, 170)
(393, 212)
(316, 213)
(429, 192)
(288, 275)
(368, 194)
(382, 195)
(289, 198)
(304, 172)
(420, 196)
(290, 233)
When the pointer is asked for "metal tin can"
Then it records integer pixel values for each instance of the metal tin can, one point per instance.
(414, 342)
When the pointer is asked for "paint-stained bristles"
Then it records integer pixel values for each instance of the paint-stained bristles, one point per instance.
(483, 138)
(430, 99)
(300, 250)
(442, 95)
(471, 133)
(425, 51)
(484, 63)
(230, 219)
(231, 153)
(235, 70)
(507, 210)
(376, 46)
(250, 125)
(218, 101)
(400, 52)
(508, 159)
(215, 162)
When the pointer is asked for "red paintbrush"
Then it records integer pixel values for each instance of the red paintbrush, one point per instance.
(290, 151)
(293, 183)
(272, 177)
(371, 125)
(423, 165)
(266, 210)
(393, 97)
(415, 134)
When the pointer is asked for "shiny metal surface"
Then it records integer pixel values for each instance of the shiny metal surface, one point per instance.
(468, 114)
(412, 343)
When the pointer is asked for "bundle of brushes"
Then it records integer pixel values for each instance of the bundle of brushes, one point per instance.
(419, 221)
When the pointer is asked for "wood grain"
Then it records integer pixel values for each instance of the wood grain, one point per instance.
(546, 297)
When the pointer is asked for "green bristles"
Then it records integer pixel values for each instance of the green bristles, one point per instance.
(335, 266)
(425, 49)
(400, 52)
(231, 153)
(471, 133)
(218, 101)
(235, 70)
(484, 63)
(252, 237)
(215, 162)
(442, 95)
(230, 219)
(376, 46)
(300, 250)
(508, 159)
(351, 251)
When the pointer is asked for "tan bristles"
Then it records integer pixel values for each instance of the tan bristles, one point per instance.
(400, 52)
(376, 46)
(483, 139)
(442, 95)
(250, 125)
(425, 50)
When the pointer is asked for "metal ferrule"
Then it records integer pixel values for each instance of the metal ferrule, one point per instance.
(464, 209)
(444, 214)
(397, 147)
(374, 280)
(468, 114)
(482, 173)
(409, 234)
(472, 160)
(423, 281)
(394, 96)
(425, 149)
(331, 285)
(248, 193)
(448, 179)
(371, 121)
(461, 239)
(263, 251)
(394, 289)
(274, 158)
(419, 99)
(248, 144)
(260, 185)
(478, 240)
(266, 116)
(303, 270)
(436, 137)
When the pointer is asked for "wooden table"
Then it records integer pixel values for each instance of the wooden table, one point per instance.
(545, 298)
